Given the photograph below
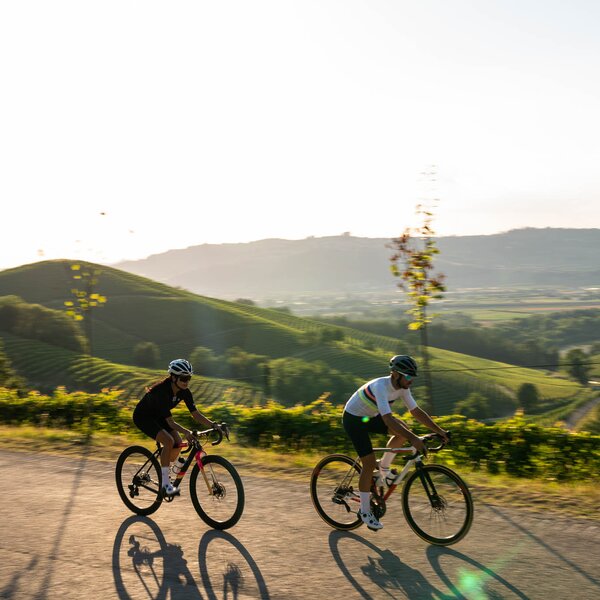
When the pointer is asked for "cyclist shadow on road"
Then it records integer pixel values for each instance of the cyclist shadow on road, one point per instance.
(386, 571)
(146, 565)
(233, 576)
(477, 582)
(388, 574)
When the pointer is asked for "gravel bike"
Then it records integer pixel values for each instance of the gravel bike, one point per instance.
(216, 488)
(437, 503)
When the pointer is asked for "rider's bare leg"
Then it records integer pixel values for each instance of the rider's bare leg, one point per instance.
(396, 441)
(166, 441)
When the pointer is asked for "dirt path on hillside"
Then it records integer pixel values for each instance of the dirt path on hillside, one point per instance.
(580, 413)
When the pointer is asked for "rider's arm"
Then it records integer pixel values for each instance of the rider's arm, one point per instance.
(177, 427)
(398, 428)
(420, 415)
(203, 420)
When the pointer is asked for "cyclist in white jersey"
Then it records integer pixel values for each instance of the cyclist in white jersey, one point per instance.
(368, 411)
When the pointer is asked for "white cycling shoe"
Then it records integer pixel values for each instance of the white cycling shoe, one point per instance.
(388, 476)
(169, 490)
(370, 520)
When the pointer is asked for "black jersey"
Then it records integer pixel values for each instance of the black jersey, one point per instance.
(158, 402)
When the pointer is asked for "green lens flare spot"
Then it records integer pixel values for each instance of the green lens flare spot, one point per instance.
(365, 419)
(472, 585)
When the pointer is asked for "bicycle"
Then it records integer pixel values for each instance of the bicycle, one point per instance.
(216, 488)
(437, 503)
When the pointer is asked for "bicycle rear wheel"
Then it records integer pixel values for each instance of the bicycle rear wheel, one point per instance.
(437, 505)
(138, 477)
(334, 491)
(217, 492)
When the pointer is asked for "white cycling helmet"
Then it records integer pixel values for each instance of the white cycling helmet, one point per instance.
(180, 366)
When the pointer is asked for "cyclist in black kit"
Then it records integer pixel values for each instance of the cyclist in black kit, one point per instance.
(153, 415)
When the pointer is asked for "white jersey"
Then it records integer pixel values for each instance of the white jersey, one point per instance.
(375, 397)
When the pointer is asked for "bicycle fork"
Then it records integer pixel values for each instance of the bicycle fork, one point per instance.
(199, 456)
(434, 498)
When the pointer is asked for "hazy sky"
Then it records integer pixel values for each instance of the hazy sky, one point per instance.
(129, 128)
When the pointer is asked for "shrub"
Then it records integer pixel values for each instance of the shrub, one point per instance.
(147, 355)
(528, 397)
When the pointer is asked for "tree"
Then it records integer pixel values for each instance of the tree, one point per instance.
(86, 298)
(474, 406)
(8, 377)
(146, 354)
(412, 261)
(528, 397)
(296, 381)
(245, 301)
(205, 362)
(81, 309)
(577, 367)
(243, 365)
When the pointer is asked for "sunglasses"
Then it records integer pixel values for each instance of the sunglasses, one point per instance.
(407, 377)
(184, 378)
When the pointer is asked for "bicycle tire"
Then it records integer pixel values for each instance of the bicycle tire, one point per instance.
(214, 508)
(328, 496)
(447, 522)
(126, 472)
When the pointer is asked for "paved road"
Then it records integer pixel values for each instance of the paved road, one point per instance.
(66, 535)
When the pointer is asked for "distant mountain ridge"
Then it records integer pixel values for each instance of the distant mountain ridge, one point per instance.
(271, 267)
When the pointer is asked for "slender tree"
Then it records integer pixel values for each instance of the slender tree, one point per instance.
(412, 262)
(86, 299)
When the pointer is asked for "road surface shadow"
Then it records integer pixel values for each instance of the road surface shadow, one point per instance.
(394, 578)
(472, 583)
(146, 565)
(386, 571)
(594, 580)
(233, 575)
(11, 589)
(62, 526)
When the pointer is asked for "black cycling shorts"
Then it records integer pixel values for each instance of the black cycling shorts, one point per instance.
(151, 425)
(359, 428)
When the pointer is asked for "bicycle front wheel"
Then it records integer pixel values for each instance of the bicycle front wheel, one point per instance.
(437, 505)
(217, 492)
(334, 491)
(138, 477)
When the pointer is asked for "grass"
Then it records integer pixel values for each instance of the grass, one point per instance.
(579, 499)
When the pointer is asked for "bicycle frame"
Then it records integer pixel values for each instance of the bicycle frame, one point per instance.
(416, 461)
(198, 454)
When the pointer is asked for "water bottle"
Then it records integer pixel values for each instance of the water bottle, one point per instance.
(177, 465)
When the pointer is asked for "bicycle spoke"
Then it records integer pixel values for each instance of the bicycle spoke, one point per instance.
(334, 491)
(138, 480)
(441, 514)
(217, 492)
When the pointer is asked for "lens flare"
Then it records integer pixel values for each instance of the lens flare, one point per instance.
(365, 419)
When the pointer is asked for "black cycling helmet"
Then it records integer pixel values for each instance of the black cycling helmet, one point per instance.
(180, 366)
(403, 364)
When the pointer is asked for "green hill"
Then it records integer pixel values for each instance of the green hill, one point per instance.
(177, 321)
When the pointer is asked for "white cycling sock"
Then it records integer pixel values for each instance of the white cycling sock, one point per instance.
(386, 461)
(165, 476)
(365, 502)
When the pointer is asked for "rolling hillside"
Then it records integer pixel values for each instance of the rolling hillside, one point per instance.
(178, 321)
